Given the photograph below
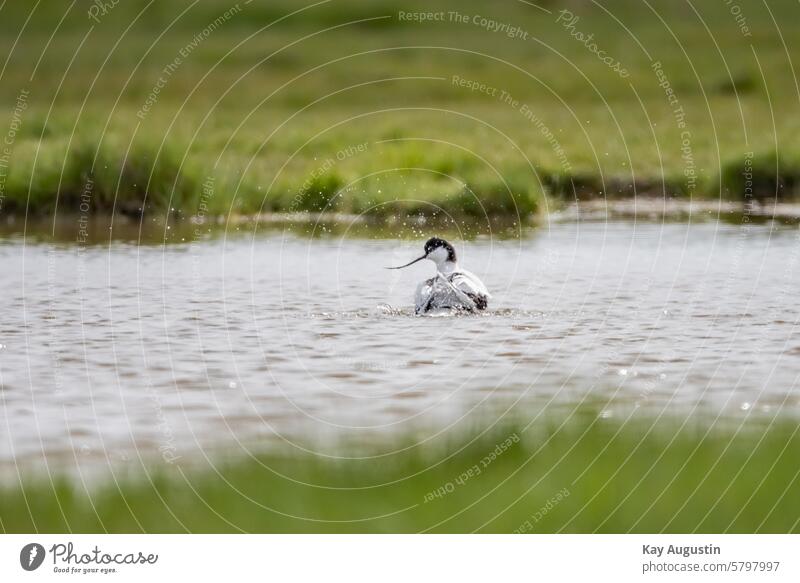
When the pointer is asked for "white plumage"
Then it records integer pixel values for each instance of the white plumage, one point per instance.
(452, 288)
(461, 290)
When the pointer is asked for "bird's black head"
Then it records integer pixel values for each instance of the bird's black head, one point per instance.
(435, 243)
(437, 250)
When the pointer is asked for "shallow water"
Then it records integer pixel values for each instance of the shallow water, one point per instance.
(116, 351)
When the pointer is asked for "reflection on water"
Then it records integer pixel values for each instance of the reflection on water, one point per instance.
(110, 350)
(158, 229)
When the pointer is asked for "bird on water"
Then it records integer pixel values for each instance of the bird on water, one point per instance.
(452, 288)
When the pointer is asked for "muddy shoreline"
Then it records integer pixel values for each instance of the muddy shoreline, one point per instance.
(176, 228)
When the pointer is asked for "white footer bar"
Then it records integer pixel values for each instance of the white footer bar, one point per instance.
(406, 558)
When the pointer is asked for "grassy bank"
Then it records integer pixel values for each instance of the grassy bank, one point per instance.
(576, 473)
(350, 106)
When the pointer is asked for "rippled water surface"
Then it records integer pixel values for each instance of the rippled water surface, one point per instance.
(110, 350)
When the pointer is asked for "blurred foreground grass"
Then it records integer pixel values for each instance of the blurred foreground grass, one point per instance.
(569, 473)
(220, 107)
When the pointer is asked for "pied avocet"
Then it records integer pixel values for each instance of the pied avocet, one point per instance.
(453, 288)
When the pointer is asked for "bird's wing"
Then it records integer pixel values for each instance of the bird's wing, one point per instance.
(473, 288)
(423, 295)
(469, 283)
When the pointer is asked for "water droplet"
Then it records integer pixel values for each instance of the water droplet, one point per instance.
(232, 385)
(745, 406)
(623, 372)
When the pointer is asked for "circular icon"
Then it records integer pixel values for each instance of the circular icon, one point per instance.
(31, 556)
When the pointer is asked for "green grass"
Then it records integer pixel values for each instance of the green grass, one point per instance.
(590, 474)
(261, 105)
